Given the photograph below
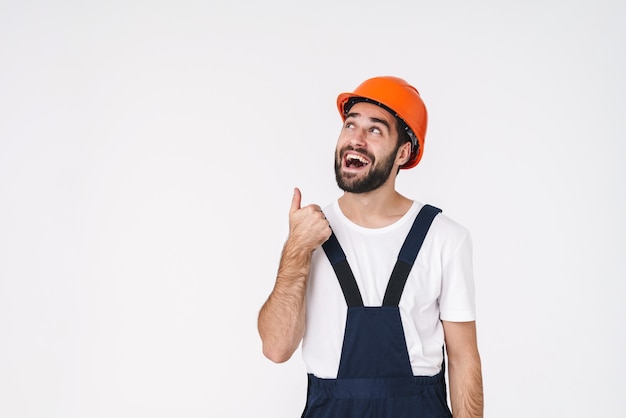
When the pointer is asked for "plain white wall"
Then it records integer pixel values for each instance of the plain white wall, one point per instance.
(148, 152)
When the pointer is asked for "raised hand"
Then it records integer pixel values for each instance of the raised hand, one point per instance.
(308, 227)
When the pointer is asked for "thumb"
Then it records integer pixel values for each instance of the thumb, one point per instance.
(296, 200)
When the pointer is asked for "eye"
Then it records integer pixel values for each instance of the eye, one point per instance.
(375, 130)
(349, 125)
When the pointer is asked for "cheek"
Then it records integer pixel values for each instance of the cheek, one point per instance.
(343, 137)
(342, 142)
(338, 149)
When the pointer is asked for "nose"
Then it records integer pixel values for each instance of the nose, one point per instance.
(357, 137)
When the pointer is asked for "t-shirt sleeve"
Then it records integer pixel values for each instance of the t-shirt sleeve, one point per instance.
(457, 301)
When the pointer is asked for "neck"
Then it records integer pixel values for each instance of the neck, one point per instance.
(375, 209)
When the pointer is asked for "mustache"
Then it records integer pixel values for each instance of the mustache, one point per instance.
(363, 151)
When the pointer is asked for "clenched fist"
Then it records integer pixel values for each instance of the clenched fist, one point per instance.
(308, 227)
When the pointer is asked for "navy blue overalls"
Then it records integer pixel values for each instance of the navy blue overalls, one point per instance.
(375, 378)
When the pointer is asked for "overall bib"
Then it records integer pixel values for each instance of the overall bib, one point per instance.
(375, 379)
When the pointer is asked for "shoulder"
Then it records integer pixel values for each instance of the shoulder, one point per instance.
(444, 225)
(333, 213)
(448, 226)
(447, 234)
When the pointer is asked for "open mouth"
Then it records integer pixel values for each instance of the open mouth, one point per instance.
(354, 160)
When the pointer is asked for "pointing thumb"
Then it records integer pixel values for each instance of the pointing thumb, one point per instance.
(296, 200)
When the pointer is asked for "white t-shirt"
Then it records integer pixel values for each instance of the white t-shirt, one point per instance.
(440, 286)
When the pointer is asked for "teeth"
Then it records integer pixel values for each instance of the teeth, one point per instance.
(357, 157)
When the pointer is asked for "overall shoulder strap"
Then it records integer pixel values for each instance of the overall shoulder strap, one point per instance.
(338, 260)
(408, 254)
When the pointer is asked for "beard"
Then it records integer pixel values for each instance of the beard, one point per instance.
(376, 177)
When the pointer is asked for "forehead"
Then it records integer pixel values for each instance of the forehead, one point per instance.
(370, 110)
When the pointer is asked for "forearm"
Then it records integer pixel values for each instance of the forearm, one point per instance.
(466, 386)
(282, 317)
(465, 376)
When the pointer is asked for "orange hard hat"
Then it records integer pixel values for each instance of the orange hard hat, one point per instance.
(399, 98)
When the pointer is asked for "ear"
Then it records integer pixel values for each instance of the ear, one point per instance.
(404, 154)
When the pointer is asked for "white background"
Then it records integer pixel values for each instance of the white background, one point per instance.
(148, 152)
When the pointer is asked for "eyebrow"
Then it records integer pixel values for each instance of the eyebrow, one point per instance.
(375, 120)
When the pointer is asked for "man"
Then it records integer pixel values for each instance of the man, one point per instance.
(374, 298)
